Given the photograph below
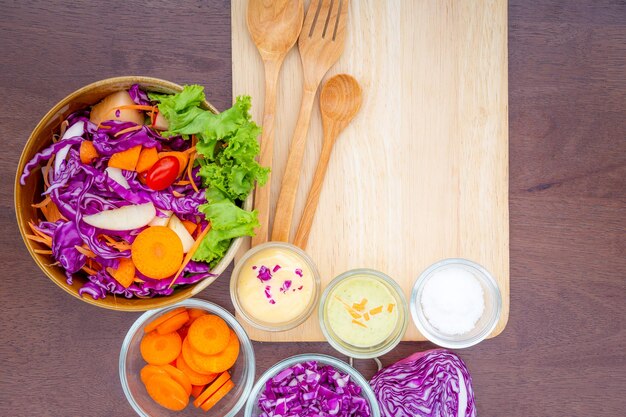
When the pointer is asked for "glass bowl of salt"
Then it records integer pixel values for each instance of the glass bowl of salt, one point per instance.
(455, 303)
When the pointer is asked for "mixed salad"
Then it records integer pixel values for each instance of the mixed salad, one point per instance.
(142, 191)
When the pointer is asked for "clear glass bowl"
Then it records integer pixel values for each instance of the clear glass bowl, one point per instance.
(275, 327)
(252, 409)
(131, 362)
(486, 323)
(372, 351)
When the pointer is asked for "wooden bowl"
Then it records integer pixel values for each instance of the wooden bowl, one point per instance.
(31, 192)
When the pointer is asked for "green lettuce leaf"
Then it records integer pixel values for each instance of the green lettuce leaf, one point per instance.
(228, 221)
(227, 143)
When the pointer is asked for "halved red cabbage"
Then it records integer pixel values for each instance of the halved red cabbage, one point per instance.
(435, 383)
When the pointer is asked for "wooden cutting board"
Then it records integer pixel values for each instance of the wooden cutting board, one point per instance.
(421, 174)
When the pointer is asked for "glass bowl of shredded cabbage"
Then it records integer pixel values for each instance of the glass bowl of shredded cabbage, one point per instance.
(314, 382)
(134, 193)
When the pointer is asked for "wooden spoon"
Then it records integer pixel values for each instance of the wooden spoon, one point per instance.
(274, 26)
(321, 43)
(340, 101)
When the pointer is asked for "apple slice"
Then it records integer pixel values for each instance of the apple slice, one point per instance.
(108, 109)
(161, 221)
(179, 228)
(116, 175)
(160, 122)
(123, 218)
(77, 129)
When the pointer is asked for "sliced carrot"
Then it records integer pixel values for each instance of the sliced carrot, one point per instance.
(173, 324)
(221, 393)
(190, 150)
(219, 362)
(212, 389)
(209, 334)
(177, 194)
(190, 226)
(390, 307)
(182, 157)
(167, 392)
(189, 255)
(178, 376)
(125, 272)
(197, 390)
(126, 159)
(147, 158)
(196, 378)
(157, 252)
(366, 317)
(128, 129)
(43, 251)
(194, 313)
(149, 371)
(188, 355)
(162, 319)
(160, 349)
(89, 270)
(87, 152)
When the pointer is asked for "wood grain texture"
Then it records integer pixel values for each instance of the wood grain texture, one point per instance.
(274, 28)
(562, 353)
(320, 45)
(421, 174)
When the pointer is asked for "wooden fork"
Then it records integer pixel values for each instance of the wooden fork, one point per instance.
(321, 43)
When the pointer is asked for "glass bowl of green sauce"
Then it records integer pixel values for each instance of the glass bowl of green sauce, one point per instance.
(363, 313)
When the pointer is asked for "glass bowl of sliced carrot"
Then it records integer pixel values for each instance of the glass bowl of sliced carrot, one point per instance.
(189, 359)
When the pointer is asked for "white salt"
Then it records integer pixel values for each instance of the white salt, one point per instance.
(452, 301)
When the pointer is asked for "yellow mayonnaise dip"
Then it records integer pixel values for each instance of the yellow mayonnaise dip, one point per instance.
(275, 285)
(362, 311)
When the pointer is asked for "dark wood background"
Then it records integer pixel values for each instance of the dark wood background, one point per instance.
(564, 349)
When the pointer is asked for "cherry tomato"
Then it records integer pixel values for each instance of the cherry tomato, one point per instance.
(163, 173)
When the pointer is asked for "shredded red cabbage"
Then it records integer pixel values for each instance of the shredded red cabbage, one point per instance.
(312, 389)
(435, 383)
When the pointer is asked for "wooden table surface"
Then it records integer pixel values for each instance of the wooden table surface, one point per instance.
(563, 351)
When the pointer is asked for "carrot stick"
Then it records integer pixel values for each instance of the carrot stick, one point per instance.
(182, 182)
(85, 251)
(190, 150)
(177, 194)
(43, 203)
(135, 107)
(193, 250)
(192, 159)
(39, 239)
(37, 231)
(43, 251)
(89, 270)
(46, 171)
(128, 129)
